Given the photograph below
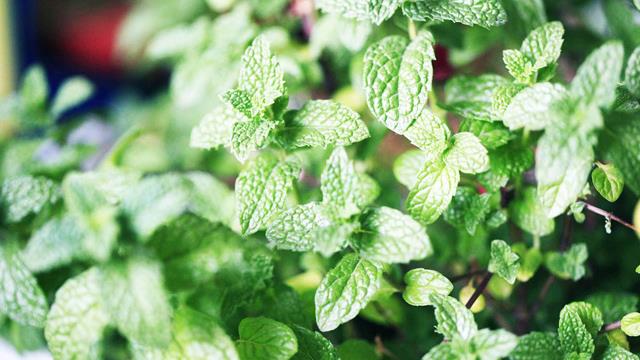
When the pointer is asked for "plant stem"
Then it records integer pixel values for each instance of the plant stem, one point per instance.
(476, 294)
(606, 214)
(413, 32)
(612, 326)
(466, 276)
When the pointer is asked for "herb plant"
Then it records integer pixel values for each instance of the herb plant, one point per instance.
(355, 179)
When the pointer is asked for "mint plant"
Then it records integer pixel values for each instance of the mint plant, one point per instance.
(357, 179)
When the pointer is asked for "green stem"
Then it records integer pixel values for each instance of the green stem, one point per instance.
(413, 32)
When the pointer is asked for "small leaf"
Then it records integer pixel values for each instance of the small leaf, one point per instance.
(543, 45)
(468, 209)
(569, 264)
(298, 228)
(518, 65)
(579, 323)
(436, 184)
(533, 107)
(615, 352)
(34, 89)
(429, 133)
(421, 283)
(407, 167)
(596, 79)
(467, 154)
(261, 190)
(261, 75)
(473, 97)
(493, 344)
(346, 290)
(537, 346)
(630, 324)
(389, 236)
(608, 181)
(216, 128)
(443, 351)
(486, 13)
(77, 318)
(21, 299)
(454, 319)
(263, 338)
(381, 10)
(72, 92)
(527, 212)
(250, 136)
(340, 184)
(26, 195)
(504, 262)
(632, 73)
(321, 123)
(492, 135)
(56, 243)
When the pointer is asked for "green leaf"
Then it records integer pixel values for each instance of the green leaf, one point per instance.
(355, 349)
(408, 165)
(614, 305)
(429, 198)
(473, 97)
(58, 242)
(608, 181)
(321, 123)
(596, 79)
(72, 92)
(493, 344)
(263, 338)
(397, 79)
(537, 346)
(492, 135)
(421, 283)
(486, 13)
(443, 351)
(563, 163)
(615, 352)
(77, 318)
(34, 89)
(25, 195)
(467, 154)
(527, 212)
(429, 133)
(569, 264)
(504, 262)
(135, 299)
(381, 10)
(353, 9)
(468, 209)
(261, 190)
(368, 190)
(198, 337)
(216, 128)
(621, 145)
(21, 299)
(298, 228)
(579, 323)
(340, 184)
(250, 136)
(531, 259)
(518, 65)
(313, 346)
(630, 324)
(632, 73)
(346, 290)
(389, 236)
(454, 319)
(533, 107)
(261, 75)
(543, 45)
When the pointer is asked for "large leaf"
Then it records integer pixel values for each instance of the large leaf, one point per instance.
(486, 13)
(263, 338)
(435, 186)
(598, 76)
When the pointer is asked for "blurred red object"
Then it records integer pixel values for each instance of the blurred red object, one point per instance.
(88, 39)
(442, 67)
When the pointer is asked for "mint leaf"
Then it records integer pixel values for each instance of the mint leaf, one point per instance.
(56, 243)
(621, 144)
(468, 209)
(355, 9)
(340, 184)
(492, 135)
(596, 79)
(608, 181)
(77, 318)
(21, 299)
(323, 123)
(261, 75)
(298, 228)
(632, 73)
(486, 13)
(542, 46)
(429, 133)
(527, 212)
(250, 136)
(312, 345)
(216, 128)
(368, 190)
(197, 336)
(429, 198)
(569, 264)
(473, 97)
(466, 154)
(408, 165)
(630, 324)
(444, 351)
(71, 93)
(537, 346)
(389, 236)
(381, 10)
(504, 262)
(579, 323)
(518, 65)
(615, 352)
(135, 299)
(493, 344)
(345, 290)
(533, 107)
(25, 195)
(261, 190)
(421, 283)
(454, 319)
(397, 79)
(263, 338)
(34, 90)
(614, 305)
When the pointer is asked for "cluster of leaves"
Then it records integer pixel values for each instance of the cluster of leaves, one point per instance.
(257, 212)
